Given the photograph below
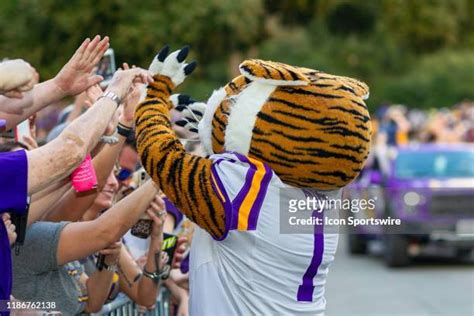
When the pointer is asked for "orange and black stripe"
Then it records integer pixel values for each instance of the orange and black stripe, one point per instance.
(184, 178)
(315, 135)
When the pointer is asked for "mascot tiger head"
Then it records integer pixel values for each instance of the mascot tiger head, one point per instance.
(313, 129)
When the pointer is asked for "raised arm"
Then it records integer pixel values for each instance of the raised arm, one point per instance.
(73, 78)
(184, 178)
(140, 288)
(59, 157)
(42, 201)
(81, 239)
(100, 282)
(72, 206)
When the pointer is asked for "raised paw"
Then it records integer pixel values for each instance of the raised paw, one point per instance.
(192, 111)
(173, 65)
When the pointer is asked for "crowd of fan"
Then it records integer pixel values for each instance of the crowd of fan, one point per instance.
(78, 253)
(397, 125)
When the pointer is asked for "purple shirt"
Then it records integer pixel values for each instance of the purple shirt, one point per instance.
(173, 210)
(185, 265)
(13, 199)
(13, 182)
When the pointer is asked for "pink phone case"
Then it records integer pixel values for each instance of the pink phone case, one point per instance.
(84, 177)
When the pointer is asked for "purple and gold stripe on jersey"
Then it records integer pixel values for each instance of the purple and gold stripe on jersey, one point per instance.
(248, 202)
(243, 211)
(219, 188)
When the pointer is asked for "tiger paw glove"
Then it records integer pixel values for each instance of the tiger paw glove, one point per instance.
(172, 65)
(192, 111)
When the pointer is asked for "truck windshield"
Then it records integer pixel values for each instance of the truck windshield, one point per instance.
(441, 164)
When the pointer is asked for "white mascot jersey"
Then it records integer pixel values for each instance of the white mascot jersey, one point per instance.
(254, 269)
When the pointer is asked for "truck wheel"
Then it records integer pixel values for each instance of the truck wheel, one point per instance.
(396, 251)
(357, 244)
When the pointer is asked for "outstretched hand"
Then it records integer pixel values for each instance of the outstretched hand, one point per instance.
(124, 80)
(131, 101)
(16, 77)
(76, 76)
(92, 94)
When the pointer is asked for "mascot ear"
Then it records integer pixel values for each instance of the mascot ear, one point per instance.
(359, 88)
(273, 73)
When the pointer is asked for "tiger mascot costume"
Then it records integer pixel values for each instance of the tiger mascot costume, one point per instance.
(272, 129)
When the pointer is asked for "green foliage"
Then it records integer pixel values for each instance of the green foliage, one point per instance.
(439, 80)
(46, 32)
(419, 53)
(293, 12)
(347, 18)
(426, 26)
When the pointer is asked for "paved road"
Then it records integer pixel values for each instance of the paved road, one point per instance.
(363, 286)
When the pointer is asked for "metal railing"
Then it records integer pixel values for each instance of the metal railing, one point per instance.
(123, 306)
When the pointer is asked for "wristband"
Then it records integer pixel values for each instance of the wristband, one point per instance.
(111, 95)
(123, 130)
(124, 126)
(109, 139)
(154, 276)
(157, 276)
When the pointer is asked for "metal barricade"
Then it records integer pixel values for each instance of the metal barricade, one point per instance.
(123, 306)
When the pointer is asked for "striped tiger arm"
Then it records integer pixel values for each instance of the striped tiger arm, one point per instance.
(184, 178)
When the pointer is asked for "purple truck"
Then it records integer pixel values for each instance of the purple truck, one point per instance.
(430, 188)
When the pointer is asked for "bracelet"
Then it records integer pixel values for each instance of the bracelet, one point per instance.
(154, 276)
(112, 96)
(112, 267)
(123, 130)
(166, 272)
(109, 139)
(157, 276)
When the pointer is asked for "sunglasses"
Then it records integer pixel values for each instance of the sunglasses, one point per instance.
(123, 174)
